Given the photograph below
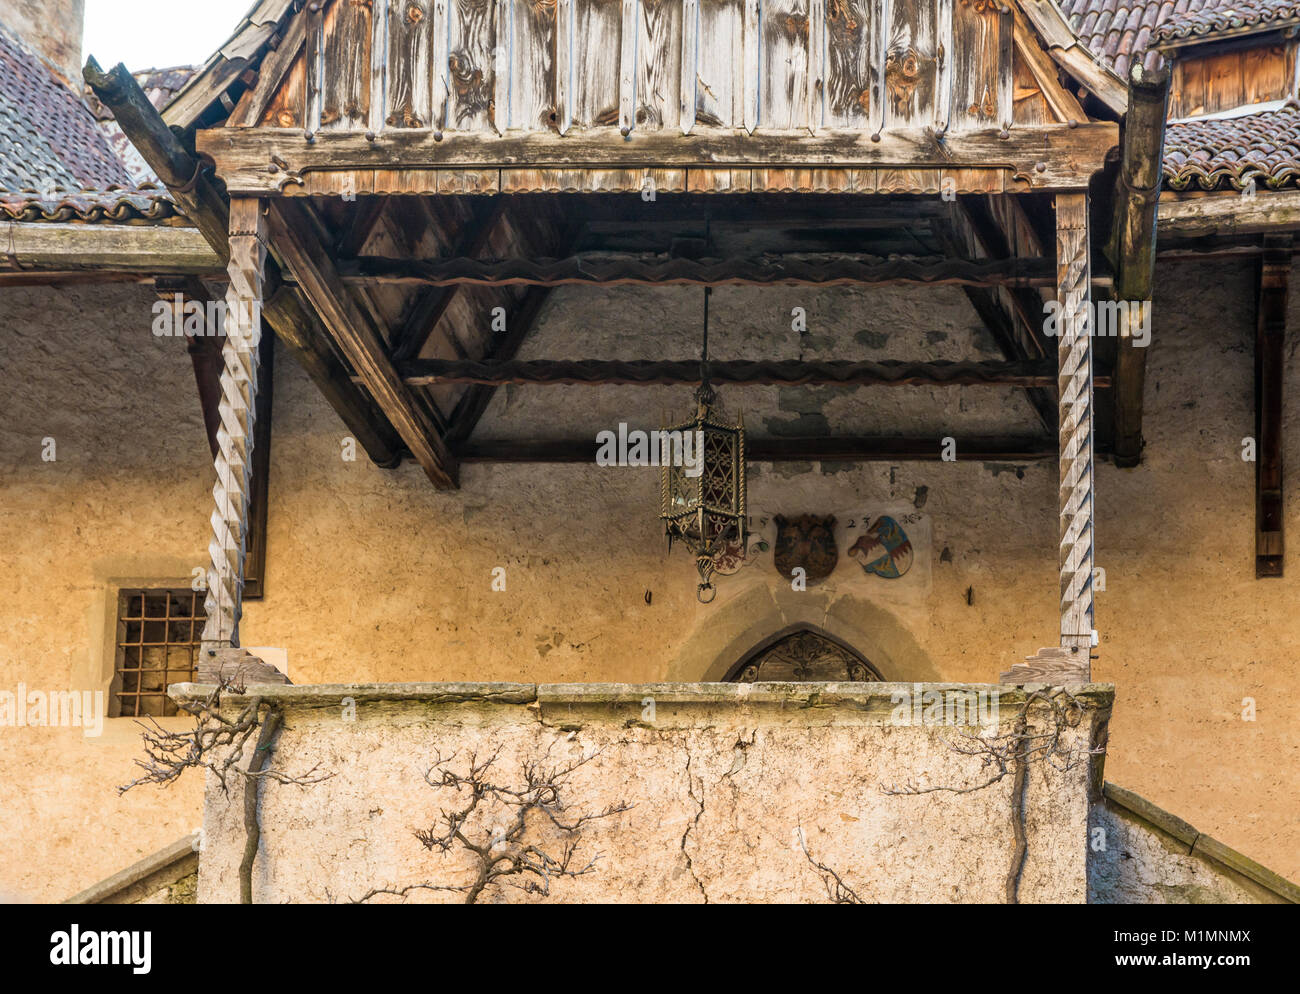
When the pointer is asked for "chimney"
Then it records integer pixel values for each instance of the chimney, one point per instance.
(52, 29)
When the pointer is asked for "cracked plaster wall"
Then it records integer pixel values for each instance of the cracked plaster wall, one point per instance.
(720, 783)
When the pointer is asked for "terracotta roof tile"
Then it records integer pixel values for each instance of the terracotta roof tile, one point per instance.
(1121, 31)
(48, 138)
(1203, 17)
(146, 203)
(1232, 152)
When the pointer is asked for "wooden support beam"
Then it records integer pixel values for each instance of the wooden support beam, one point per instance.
(1132, 247)
(204, 348)
(999, 320)
(259, 493)
(614, 269)
(820, 449)
(1046, 157)
(205, 205)
(234, 463)
(301, 337)
(206, 353)
(118, 248)
(1026, 303)
(473, 403)
(1227, 214)
(686, 372)
(1270, 368)
(1073, 250)
(298, 238)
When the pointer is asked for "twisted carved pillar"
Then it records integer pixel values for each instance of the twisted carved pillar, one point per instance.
(234, 462)
(1074, 298)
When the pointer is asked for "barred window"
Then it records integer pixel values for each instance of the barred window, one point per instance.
(158, 638)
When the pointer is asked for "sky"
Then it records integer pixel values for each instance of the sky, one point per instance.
(157, 34)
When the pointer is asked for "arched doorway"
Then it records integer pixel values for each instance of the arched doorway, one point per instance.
(803, 654)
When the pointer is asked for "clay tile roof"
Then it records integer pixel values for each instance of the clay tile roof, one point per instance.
(1263, 147)
(48, 138)
(1121, 31)
(1203, 17)
(114, 206)
(58, 163)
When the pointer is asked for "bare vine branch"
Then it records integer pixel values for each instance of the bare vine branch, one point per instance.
(504, 855)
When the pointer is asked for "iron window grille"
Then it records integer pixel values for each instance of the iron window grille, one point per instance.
(158, 637)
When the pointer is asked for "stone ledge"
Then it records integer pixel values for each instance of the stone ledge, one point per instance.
(333, 694)
(164, 867)
(591, 698)
(1199, 844)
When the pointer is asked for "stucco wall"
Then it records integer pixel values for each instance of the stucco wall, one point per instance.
(720, 779)
(374, 576)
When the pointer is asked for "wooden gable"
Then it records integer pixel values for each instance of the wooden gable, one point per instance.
(603, 84)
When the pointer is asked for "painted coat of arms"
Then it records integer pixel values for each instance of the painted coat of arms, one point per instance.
(884, 549)
(808, 543)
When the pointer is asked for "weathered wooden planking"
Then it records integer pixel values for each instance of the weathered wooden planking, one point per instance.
(279, 96)
(531, 61)
(471, 65)
(659, 62)
(287, 108)
(597, 48)
(410, 66)
(976, 41)
(345, 104)
(783, 97)
(1028, 102)
(911, 64)
(852, 76)
(314, 54)
(720, 56)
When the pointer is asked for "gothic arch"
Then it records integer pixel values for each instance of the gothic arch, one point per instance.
(803, 654)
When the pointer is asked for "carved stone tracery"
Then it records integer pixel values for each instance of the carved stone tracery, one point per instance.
(804, 657)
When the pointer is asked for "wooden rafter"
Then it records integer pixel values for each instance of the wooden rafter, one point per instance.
(1133, 243)
(298, 237)
(998, 319)
(473, 403)
(596, 372)
(1270, 368)
(432, 303)
(1018, 449)
(617, 269)
(205, 205)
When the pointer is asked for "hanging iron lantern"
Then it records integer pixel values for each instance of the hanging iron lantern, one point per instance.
(704, 496)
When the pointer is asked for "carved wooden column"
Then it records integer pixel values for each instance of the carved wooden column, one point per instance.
(1070, 662)
(234, 462)
(1074, 378)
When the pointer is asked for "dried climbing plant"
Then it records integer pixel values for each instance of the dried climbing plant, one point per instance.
(219, 744)
(511, 854)
(1010, 754)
